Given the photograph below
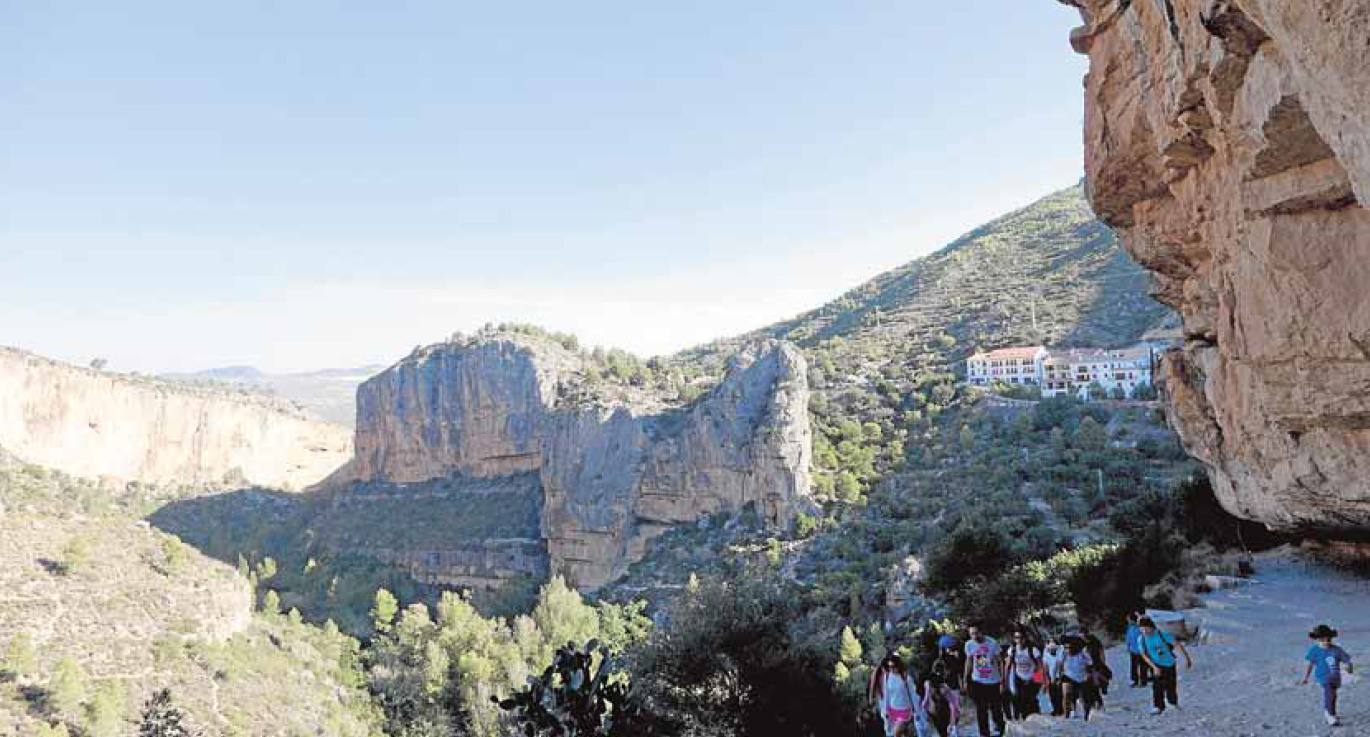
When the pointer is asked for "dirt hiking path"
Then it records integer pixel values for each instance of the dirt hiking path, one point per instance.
(1247, 660)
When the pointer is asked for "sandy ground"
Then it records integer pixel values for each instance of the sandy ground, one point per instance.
(1247, 662)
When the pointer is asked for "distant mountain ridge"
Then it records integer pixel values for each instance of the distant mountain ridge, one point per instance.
(329, 394)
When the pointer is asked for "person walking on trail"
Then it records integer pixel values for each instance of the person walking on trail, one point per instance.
(1139, 674)
(985, 681)
(942, 704)
(895, 695)
(951, 662)
(1158, 650)
(1076, 670)
(1100, 675)
(1052, 656)
(1324, 662)
(1022, 672)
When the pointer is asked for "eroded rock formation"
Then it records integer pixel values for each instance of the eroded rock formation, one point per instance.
(1229, 143)
(96, 424)
(613, 474)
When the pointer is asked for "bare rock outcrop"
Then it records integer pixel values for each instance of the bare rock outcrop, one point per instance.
(477, 410)
(1229, 143)
(613, 481)
(612, 474)
(102, 425)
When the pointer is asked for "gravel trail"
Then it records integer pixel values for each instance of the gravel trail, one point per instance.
(1247, 660)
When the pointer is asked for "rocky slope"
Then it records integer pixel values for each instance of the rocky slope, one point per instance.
(96, 424)
(615, 470)
(1229, 142)
(136, 610)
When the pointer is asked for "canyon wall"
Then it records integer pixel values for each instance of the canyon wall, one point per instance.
(1228, 141)
(612, 473)
(102, 425)
(613, 481)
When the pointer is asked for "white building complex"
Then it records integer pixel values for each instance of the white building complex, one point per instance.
(1065, 371)
(1007, 365)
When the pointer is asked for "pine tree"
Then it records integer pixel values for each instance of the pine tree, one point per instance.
(1091, 435)
(19, 659)
(563, 617)
(161, 718)
(384, 611)
(105, 710)
(67, 689)
(849, 649)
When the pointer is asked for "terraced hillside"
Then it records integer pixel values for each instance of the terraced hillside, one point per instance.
(99, 610)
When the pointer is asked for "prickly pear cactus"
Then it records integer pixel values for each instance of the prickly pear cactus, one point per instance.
(575, 697)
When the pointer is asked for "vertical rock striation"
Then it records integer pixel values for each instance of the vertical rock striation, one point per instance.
(613, 475)
(476, 410)
(97, 424)
(1229, 143)
(612, 481)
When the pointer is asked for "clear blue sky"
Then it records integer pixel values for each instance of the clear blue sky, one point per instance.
(305, 184)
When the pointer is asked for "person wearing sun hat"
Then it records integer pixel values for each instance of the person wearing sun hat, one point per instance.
(1324, 663)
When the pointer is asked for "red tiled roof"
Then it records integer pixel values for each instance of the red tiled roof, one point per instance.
(1009, 353)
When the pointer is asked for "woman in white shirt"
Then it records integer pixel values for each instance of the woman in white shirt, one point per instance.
(1076, 668)
(896, 696)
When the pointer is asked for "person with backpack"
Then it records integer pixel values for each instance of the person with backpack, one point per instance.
(1022, 671)
(1324, 660)
(1075, 675)
(895, 695)
(1100, 675)
(985, 681)
(942, 704)
(1139, 674)
(950, 663)
(1158, 651)
(1052, 657)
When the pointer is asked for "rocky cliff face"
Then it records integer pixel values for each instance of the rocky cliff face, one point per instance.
(613, 481)
(95, 424)
(476, 410)
(1229, 142)
(612, 474)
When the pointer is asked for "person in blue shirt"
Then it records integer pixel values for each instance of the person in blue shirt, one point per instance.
(1140, 674)
(1324, 663)
(1158, 650)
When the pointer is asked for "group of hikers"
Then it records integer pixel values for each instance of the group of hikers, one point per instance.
(1005, 684)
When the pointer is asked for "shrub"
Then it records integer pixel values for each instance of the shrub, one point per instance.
(75, 555)
(161, 718)
(736, 659)
(19, 660)
(969, 554)
(1105, 591)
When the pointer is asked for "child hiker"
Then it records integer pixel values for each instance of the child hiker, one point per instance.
(1324, 663)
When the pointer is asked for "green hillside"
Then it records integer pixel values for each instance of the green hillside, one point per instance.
(885, 356)
(1048, 273)
(904, 457)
